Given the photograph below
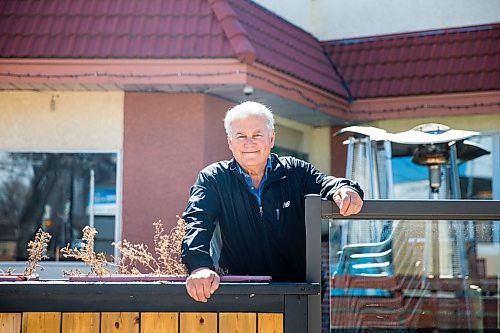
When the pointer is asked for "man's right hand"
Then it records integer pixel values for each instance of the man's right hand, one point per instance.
(202, 283)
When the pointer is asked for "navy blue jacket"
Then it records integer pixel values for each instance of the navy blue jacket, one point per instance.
(267, 240)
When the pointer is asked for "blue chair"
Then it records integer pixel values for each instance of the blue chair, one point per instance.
(369, 260)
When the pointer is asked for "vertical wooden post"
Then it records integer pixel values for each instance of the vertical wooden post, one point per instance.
(81, 322)
(114, 322)
(313, 259)
(270, 323)
(41, 322)
(200, 322)
(240, 322)
(10, 322)
(159, 322)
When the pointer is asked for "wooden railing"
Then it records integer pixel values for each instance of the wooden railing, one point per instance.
(151, 307)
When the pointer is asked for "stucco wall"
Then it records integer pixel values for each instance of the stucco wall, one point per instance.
(76, 120)
(168, 139)
(480, 123)
(215, 141)
(339, 19)
(321, 149)
(296, 11)
(307, 139)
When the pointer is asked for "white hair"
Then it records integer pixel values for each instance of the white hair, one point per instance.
(245, 110)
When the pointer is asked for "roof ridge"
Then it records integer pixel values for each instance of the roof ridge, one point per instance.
(412, 34)
(236, 34)
(420, 76)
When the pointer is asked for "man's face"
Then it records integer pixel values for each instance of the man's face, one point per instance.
(251, 143)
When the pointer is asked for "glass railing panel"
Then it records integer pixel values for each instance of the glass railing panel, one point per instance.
(430, 275)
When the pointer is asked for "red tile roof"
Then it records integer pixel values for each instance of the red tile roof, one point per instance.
(162, 29)
(286, 47)
(429, 62)
(110, 29)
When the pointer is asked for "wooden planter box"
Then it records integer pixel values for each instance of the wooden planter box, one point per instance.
(62, 306)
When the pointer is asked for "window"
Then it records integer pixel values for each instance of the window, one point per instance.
(59, 193)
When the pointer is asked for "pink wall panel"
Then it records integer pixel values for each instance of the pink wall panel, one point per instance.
(216, 148)
(168, 139)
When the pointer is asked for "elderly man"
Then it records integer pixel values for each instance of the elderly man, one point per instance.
(246, 216)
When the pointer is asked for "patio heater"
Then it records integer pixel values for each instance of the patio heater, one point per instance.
(436, 146)
(433, 156)
(441, 149)
(369, 163)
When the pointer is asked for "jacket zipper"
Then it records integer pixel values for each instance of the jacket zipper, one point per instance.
(261, 210)
(267, 185)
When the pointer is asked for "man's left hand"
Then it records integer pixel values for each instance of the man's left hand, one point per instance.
(348, 201)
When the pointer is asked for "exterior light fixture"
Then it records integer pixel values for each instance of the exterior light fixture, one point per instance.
(53, 103)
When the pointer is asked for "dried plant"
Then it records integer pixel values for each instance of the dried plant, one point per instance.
(9, 271)
(72, 272)
(134, 257)
(37, 250)
(134, 254)
(96, 261)
(167, 249)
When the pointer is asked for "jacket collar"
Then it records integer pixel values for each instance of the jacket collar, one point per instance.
(277, 169)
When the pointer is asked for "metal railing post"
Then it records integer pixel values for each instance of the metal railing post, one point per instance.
(313, 259)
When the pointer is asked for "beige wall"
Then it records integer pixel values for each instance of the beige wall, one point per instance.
(338, 19)
(307, 139)
(77, 120)
(320, 149)
(481, 123)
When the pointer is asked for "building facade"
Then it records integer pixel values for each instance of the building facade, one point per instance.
(109, 111)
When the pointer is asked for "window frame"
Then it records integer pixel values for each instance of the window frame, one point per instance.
(53, 266)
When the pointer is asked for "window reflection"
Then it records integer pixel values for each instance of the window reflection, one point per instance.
(417, 276)
(476, 175)
(52, 191)
(411, 180)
